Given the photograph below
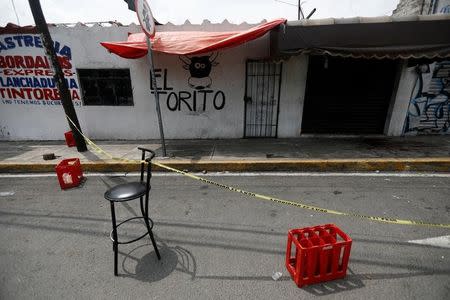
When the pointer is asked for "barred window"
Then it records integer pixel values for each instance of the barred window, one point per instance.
(106, 87)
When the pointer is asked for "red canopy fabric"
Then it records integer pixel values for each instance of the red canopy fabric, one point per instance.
(187, 42)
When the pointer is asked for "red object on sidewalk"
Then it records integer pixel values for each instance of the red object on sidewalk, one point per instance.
(70, 141)
(69, 173)
(317, 254)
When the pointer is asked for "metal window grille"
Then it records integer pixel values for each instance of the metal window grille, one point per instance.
(106, 87)
(262, 94)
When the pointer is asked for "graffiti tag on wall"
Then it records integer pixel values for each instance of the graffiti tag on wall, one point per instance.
(200, 97)
(429, 108)
(445, 10)
(199, 68)
(28, 79)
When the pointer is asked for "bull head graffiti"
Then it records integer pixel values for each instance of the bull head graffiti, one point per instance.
(199, 68)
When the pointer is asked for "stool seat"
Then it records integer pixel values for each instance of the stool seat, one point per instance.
(126, 191)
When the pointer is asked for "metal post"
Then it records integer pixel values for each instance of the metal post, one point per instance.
(158, 108)
(115, 239)
(66, 100)
(311, 13)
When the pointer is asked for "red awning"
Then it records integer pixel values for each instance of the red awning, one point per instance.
(187, 42)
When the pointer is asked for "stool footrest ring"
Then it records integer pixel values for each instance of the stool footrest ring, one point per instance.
(136, 239)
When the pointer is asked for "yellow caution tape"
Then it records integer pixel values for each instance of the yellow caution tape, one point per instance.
(267, 198)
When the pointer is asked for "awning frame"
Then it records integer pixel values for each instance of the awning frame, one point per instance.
(372, 38)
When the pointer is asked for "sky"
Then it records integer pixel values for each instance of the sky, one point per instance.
(177, 11)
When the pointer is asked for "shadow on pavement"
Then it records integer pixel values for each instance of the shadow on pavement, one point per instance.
(178, 258)
(350, 282)
(355, 281)
(148, 268)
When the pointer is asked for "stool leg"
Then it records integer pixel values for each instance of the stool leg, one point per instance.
(150, 233)
(115, 242)
(153, 242)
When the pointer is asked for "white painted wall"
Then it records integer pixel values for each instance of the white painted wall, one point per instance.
(228, 76)
(292, 96)
(401, 101)
(38, 122)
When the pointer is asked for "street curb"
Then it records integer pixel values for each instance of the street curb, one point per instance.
(428, 164)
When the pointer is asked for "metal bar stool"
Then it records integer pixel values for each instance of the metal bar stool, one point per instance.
(130, 191)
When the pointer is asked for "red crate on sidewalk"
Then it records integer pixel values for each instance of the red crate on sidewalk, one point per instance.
(317, 254)
(70, 141)
(69, 173)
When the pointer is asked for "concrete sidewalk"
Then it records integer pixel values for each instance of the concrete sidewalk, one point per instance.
(423, 153)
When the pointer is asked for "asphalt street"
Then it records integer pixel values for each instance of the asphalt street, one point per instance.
(216, 244)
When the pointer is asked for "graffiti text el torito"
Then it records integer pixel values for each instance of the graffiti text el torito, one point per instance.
(200, 98)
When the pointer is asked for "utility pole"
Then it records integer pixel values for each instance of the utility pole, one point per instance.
(58, 75)
(147, 22)
(300, 11)
(311, 13)
(300, 14)
(153, 83)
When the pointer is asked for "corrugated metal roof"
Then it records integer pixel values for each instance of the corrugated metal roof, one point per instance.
(367, 20)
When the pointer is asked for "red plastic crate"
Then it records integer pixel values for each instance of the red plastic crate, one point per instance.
(69, 173)
(317, 254)
(70, 141)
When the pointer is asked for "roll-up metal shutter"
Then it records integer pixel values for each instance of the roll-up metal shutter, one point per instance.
(347, 96)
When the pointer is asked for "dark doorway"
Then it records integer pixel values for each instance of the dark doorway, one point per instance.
(347, 96)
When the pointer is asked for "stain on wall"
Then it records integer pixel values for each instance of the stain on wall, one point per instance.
(429, 106)
(4, 132)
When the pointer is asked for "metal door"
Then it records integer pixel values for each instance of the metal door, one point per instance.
(262, 94)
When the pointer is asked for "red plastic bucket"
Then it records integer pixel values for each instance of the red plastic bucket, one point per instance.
(317, 254)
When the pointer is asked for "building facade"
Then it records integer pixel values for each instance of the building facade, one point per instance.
(422, 7)
(428, 105)
(239, 92)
